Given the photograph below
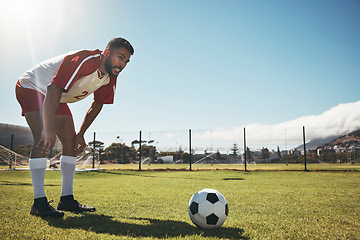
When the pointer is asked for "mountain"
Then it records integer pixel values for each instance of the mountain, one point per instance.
(317, 142)
(351, 138)
(347, 140)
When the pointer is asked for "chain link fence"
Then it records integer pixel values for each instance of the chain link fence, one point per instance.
(254, 144)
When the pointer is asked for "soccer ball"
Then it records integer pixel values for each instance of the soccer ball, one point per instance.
(208, 208)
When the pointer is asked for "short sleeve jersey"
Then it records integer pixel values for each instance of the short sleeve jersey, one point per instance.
(77, 73)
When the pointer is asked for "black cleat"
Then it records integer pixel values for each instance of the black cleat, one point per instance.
(42, 208)
(68, 203)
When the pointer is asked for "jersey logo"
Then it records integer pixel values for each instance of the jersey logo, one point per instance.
(83, 94)
(75, 59)
(100, 75)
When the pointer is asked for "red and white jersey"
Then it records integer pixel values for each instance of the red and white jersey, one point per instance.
(77, 73)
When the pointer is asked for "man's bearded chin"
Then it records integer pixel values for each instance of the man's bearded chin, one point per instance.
(109, 67)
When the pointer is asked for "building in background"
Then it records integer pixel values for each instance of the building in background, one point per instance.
(21, 135)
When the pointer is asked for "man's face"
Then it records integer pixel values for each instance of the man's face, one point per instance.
(116, 60)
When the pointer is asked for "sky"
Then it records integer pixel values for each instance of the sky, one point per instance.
(208, 65)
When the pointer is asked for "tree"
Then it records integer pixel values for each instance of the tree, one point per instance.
(148, 151)
(23, 149)
(98, 145)
(265, 154)
(235, 149)
(137, 142)
(120, 153)
(248, 154)
(185, 157)
(279, 152)
(218, 155)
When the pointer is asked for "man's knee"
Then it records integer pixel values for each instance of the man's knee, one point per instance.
(64, 128)
(68, 144)
(68, 139)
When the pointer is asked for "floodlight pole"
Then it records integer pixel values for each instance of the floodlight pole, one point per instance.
(140, 152)
(190, 148)
(245, 149)
(304, 147)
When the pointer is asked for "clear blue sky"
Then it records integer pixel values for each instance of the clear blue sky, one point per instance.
(200, 64)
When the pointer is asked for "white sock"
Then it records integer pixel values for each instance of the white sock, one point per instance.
(37, 170)
(67, 168)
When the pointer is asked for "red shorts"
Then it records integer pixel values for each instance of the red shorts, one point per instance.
(32, 101)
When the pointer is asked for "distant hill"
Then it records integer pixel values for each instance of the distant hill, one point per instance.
(317, 142)
(344, 140)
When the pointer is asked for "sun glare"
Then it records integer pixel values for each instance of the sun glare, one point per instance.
(16, 12)
(32, 23)
(41, 17)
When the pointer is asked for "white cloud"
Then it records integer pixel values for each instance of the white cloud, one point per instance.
(339, 120)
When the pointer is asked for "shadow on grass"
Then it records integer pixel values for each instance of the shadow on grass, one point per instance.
(141, 227)
(233, 179)
(124, 173)
(136, 174)
(23, 184)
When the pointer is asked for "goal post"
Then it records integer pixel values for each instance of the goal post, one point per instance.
(11, 158)
(84, 161)
(88, 159)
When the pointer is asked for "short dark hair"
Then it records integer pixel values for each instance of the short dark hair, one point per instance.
(116, 43)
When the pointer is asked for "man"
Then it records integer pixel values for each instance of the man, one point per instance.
(43, 93)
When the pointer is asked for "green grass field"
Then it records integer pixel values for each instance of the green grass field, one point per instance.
(239, 167)
(153, 205)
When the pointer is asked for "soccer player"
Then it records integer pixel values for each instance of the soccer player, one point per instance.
(43, 93)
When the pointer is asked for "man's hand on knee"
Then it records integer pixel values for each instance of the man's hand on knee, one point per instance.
(79, 144)
(47, 140)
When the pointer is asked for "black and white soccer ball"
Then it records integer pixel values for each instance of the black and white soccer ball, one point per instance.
(208, 208)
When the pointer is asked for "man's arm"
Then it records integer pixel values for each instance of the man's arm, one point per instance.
(51, 103)
(90, 116)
